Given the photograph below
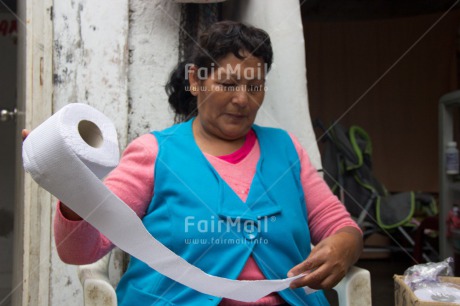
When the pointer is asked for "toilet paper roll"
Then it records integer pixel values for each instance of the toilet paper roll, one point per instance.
(68, 155)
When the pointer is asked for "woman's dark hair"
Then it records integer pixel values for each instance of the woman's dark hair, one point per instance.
(214, 44)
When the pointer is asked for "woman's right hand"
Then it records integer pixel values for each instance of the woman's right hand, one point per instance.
(66, 211)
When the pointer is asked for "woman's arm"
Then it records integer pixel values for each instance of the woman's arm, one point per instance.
(337, 237)
(326, 214)
(76, 240)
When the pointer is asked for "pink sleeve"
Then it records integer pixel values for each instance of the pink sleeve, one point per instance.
(326, 214)
(78, 242)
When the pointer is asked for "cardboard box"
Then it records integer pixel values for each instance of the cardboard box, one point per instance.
(404, 296)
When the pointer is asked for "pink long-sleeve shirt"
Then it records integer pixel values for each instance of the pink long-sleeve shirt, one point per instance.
(133, 182)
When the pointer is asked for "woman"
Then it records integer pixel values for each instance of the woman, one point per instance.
(237, 200)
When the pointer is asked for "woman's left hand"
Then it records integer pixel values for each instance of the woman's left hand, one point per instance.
(329, 260)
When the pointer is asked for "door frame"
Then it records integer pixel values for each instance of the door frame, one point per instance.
(32, 230)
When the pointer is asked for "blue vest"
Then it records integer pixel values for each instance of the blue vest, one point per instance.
(199, 217)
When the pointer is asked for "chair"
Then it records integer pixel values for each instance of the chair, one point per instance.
(100, 279)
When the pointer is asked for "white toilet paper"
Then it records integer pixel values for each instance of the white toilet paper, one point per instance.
(69, 153)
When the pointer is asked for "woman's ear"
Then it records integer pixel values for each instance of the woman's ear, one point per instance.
(193, 80)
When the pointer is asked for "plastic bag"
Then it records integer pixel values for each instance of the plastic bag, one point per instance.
(424, 281)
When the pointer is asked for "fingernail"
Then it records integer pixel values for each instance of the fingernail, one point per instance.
(290, 274)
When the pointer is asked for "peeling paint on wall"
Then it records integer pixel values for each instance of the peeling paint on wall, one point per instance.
(153, 51)
(91, 57)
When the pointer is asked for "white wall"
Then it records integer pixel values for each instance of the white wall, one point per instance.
(153, 49)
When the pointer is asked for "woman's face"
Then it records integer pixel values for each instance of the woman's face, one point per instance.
(229, 97)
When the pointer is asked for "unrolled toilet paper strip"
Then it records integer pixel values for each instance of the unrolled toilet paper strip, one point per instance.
(62, 162)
